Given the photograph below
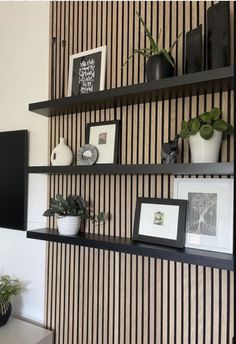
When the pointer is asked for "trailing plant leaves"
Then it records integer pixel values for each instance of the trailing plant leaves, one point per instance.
(206, 131)
(184, 125)
(48, 213)
(206, 123)
(61, 200)
(215, 113)
(206, 117)
(220, 125)
(184, 133)
(194, 126)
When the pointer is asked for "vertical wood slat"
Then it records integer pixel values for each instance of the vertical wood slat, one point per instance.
(95, 296)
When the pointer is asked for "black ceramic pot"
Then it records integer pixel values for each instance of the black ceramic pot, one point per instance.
(4, 317)
(158, 67)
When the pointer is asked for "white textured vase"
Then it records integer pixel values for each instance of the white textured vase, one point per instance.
(61, 154)
(205, 150)
(69, 225)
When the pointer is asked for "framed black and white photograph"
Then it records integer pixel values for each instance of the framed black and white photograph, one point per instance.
(160, 221)
(209, 224)
(87, 72)
(105, 137)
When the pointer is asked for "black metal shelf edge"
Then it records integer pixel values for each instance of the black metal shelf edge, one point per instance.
(189, 84)
(225, 168)
(190, 256)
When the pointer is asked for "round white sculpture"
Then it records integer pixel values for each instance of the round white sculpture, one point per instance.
(61, 154)
(69, 225)
(205, 150)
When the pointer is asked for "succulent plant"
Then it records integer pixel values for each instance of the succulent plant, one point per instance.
(73, 205)
(205, 124)
(154, 46)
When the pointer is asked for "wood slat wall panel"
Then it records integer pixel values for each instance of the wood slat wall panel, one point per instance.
(96, 296)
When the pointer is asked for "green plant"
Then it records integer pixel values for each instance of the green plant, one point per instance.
(205, 125)
(73, 205)
(8, 287)
(154, 46)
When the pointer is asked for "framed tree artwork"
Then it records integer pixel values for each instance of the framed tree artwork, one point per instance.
(209, 224)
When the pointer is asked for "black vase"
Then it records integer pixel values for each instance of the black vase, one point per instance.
(158, 67)
(4, 317)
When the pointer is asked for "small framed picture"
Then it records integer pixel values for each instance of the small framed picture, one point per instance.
(209, 223)
(87, 72)
(160, 221)
(105, 137)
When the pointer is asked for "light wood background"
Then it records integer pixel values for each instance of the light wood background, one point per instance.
(96, 296)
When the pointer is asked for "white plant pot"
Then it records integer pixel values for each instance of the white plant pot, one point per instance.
(205, 150)
(61, 155)
(69, 225)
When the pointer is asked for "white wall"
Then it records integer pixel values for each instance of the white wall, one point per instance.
(24, 47)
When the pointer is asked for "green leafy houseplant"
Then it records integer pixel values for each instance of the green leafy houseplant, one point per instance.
(205, 124)
(73, 205)
(8, 287)
(154, 46)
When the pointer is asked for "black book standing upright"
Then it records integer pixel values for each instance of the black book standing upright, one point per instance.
(194, 50)
(218, 35)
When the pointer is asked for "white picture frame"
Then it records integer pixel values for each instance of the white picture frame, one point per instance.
(75, 80)
(209, 224)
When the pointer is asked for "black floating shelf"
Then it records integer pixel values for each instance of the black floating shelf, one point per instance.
(185, 255)
(174, 169)
(178, 86)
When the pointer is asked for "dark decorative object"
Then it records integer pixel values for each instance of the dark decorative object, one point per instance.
(169, 151)
(13, 179)
(4, 317)
(160, 221)
(218, 35)
(194, 50)
(87, 155)
(158, 67)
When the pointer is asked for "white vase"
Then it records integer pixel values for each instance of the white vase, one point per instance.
(205, 150)
(69, 225)
(61, 154)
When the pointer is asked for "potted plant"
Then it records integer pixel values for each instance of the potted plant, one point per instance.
(8, 287)
(160, 63)
(205, 134)
(70, 212)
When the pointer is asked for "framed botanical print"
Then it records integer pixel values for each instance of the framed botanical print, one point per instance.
(209, 224)
(160, 221)
(105, 137)
(87, 71)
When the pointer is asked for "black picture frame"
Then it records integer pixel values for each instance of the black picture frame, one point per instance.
(180, 238)
(117, 124)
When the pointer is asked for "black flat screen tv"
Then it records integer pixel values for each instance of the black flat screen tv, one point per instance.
(13, 179)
